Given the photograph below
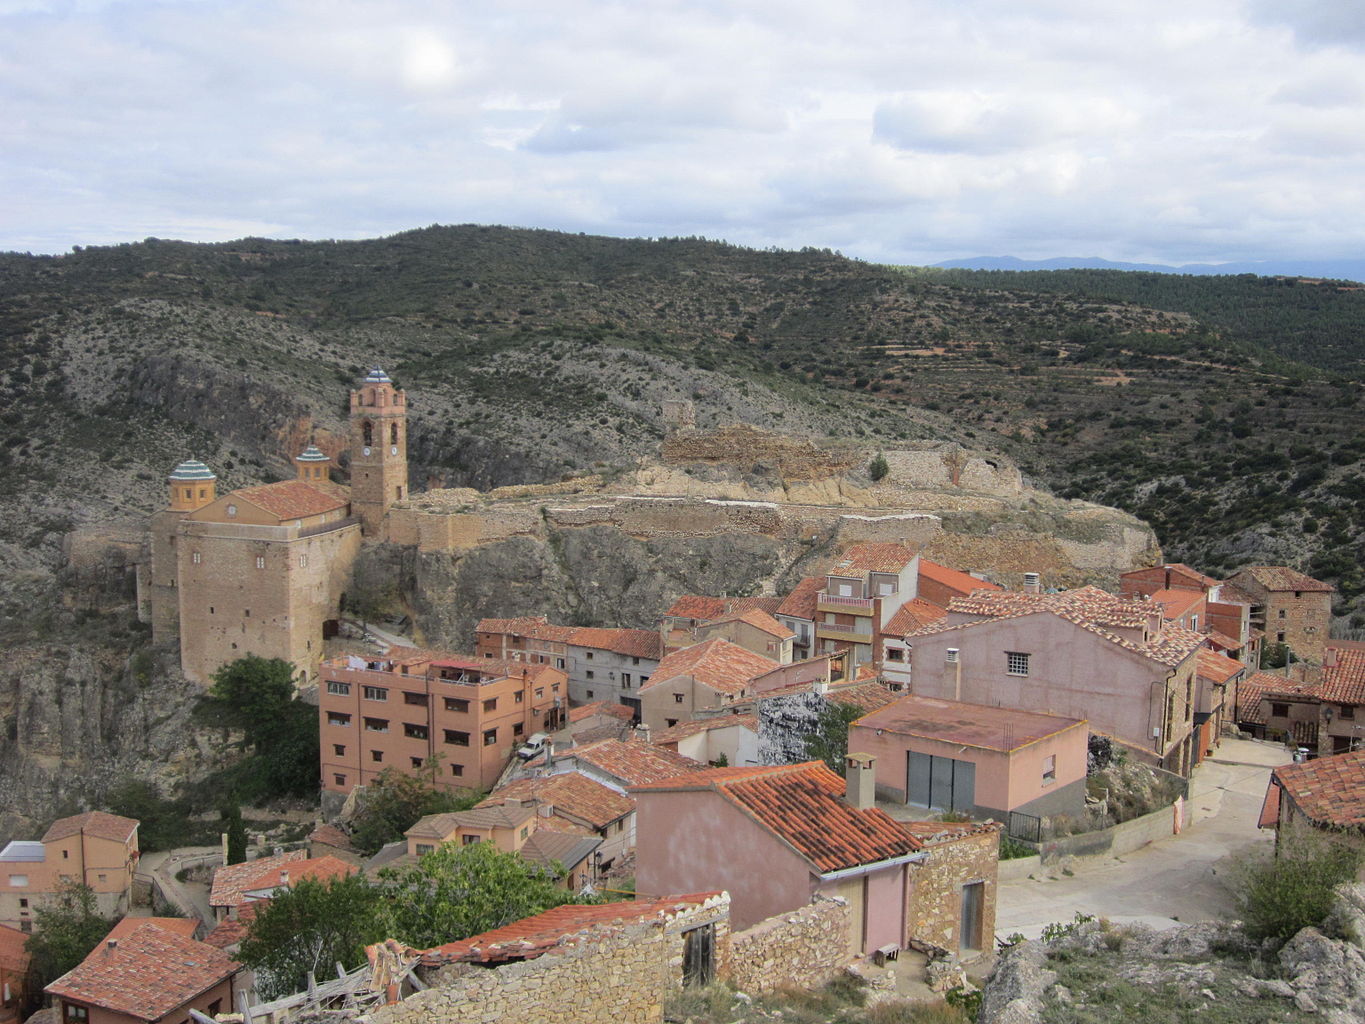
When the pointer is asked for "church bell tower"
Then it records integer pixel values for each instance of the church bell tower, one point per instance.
(379, 449)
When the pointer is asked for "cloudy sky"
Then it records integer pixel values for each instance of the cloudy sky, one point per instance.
(908, 131)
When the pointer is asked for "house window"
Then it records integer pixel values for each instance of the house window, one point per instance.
(18, 881)
(339, 749)
(590, 695)
(417, 762)
(1279, 710)
(232, 510)
(338, 718)
(540, 692)
(635, 661)
(457, 769)
(196, 558)
(1016, 664)
(554, 688)
(374, 693)
(414, 732)
(338, 689)
(377, 725)
(625, 679)
(589, 674)
(670, 722)
(491, 704)
(518, 698)
(424, 848)
(518, 729)
(303, 561)
(457, 704)
(260, 561)
(1049, 769)
(559, 663)
(1280, 614)
(589, 655)
(468, 840)
(643, 680)
(26, 925)
(677, 698)
(457, 738)
(419, 699)
(1346, 711)
(377, 756)
(1279, 638)
(490, 737)
(339, 779)
(23, 902)
(72, 1012)
(895, 654)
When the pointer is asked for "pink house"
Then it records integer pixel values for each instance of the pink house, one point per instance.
(946, 755)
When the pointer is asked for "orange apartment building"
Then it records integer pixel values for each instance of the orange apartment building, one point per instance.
(95, 848)
(412, 710)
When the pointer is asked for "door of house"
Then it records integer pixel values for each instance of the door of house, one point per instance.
(699, 955)
(940, 783)
(973, 903)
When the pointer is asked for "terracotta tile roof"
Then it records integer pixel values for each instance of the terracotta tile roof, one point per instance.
(803, 805)
(147, 975)
(1344, 682)
(699, 725)
(1175, 603)
(185, 926)
(760, 620)
(963, 582)
(315, 869)
(800, 603)
(1328, 790)
(13, 955)
(874, 556)
(486, 815)
(701, 608)
(717, 664)
(1281, 578)
(534, 626)
(534, 936)
(231, 880)
(601, 707)
(973, 725)
(1230, 593)
(634, 762)
(232, 930)
(93, 823)
(1270, 807)
(1262, 686)
(1217, 667)
(292, 499)
(550, 846)
(330, 835)
(571, 793)
(868, 696)
(913, 615)
(1223, 641)
(636, 643)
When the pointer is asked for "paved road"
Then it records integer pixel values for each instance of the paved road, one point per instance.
(191, 897)
(1176, 879)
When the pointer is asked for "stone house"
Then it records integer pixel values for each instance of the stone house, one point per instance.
(148, 975)
(15, 980)
(1327, 794)
(704, 677)
(603, 665)
(1324, 714)
(459, 718)
(1218, 677)
(776, 837)
(1289, 607)
(986, 762)
(1082, 654)
(1196, 601)
(96, 849)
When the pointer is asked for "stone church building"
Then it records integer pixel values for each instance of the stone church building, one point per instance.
(263, 570)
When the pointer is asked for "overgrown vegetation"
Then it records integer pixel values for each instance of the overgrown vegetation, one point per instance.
(828, 740)
(1291, 888)
(394, 802)
(66, 926)
(843, 1001)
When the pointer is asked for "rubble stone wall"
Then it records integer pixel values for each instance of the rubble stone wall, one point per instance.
(803, 949)
(935, 911)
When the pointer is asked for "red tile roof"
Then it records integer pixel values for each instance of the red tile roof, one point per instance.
(291, 499)
(800, 603)
(92, 823)
(534, 936)
(698, 725)
(760, 620)
(146, 975)
(1223, 641)
(1217, 667)
(232, 930)
(973, 725)
(1175, 603)
(13, 956)
(867, 696)
(638, 643)
(803, 805)
(185, 926)
(573, 794)
(1281, 578)
(963, 582)
(717, 664)
(702, 608)
(231, 880)
(1328, 790)
(1344, 682)
(874, 556)
(601, 707)
(633, 761)
(330, 835)
(315, 869)
(913, 615)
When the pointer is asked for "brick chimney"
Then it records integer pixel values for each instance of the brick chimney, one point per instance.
(1033, 583)
(860, 781)
(1329, 658)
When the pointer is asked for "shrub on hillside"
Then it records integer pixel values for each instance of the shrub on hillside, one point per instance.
(1292, 889)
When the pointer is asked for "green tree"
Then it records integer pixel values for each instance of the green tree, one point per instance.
(393, 803)
(235, 828)
(164, 823)
(878, 468)
(256, 695)
(312, 927)
(828, 740)
(251, 692)
(458, 891)
(66, 927)
(1292, 889)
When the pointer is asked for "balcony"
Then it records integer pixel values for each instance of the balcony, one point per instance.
(844, 633)
(834, 603)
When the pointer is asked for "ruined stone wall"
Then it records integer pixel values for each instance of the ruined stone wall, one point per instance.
(741, 445)
(804, 949)
(913, 528)
(934, 914)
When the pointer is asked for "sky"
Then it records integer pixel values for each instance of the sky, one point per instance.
(903, 131)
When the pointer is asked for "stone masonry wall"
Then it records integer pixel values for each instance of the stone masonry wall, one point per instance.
(935, 911)
(802, 949)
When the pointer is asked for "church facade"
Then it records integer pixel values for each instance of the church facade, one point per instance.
(263, 570)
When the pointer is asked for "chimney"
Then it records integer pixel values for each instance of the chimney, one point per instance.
(860, 783)
(643, 734)
(549, 754)
(1329, 658)
(546, 810)
(284, 876)
(1032, 583)
(112, 944)
(953, 661)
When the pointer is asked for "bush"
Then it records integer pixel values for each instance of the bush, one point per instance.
(1292, 889)
(878, 468)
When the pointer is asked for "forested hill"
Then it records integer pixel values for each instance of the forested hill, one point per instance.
(1226, 411)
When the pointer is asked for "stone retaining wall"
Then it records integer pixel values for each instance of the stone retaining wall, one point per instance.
(803, 949)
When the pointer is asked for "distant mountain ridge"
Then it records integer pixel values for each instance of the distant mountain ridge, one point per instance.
(1336, 270)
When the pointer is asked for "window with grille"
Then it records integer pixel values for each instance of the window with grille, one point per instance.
(1016, 664)
(375, 693)
(338, 689)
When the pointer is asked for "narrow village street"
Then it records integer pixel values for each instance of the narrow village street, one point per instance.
(1178, 879)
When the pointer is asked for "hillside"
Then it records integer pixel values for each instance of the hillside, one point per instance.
(1225, 411)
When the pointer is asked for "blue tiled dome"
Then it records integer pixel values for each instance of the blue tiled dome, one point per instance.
(313, 454)
(192, 469)
(377, 376)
